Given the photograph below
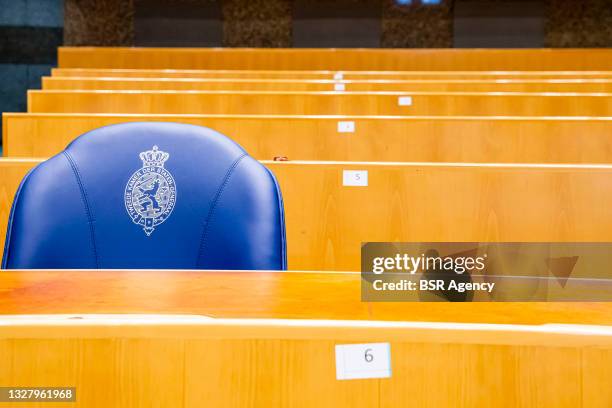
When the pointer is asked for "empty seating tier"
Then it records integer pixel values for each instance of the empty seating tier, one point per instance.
(326, 74)
(322, 103)
(336, 59)
(360, 138)
(359, 85)
(404, 202)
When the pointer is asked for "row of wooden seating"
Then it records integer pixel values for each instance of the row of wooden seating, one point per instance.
(359, 138)
(327, 220)
(321, 103)
(325, 74)
(336, 59)
(53, 122)
(428, 178)
(359, 85)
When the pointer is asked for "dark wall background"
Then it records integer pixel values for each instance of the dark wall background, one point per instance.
(99, 22)
(417, 25)
(188, 23)
(573, 23)
(257, 23)
(336, 23)
(30, 32)
(287, 23)
(501, 24)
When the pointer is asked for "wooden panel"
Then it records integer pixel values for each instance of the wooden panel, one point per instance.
(412, 202)
(597, 377)
(317, 103)
(350, 75)
(149, 360)
(11, 174)
(335, 59)
(162, 365)
(271, 294)
(242, 84)
(448, 139)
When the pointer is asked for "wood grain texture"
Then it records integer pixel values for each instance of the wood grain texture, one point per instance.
(265, 295)
(412, 139)
(255, 372)
(321, 103)
(327, 222)
(314, 85)
(297, 74)
(335, 59)
(272, 362)
(11, 174)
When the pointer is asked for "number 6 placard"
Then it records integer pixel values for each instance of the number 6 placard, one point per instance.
(370, 360)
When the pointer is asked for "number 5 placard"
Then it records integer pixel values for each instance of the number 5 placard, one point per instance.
(355, 178)
(371, 360)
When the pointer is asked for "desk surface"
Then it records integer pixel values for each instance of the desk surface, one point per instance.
(255, 294)
(264, 360)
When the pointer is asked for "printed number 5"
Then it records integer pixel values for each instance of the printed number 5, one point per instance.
(368, 356)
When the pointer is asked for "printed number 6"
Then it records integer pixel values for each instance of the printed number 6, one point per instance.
(368, 356)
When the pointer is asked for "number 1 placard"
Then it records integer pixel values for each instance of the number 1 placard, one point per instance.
(370, 360)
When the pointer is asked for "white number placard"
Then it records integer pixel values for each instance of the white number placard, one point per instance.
(338, 75)
(369, 360)
(346, 126)
(355, 178)
(339, 86)
(404, 101)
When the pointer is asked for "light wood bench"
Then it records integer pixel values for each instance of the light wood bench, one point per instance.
(315, 85)
(321, 103)
(359, 138)
(325, 74)
(336, 59)
(424, 202)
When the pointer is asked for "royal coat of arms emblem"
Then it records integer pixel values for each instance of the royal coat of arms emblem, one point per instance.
(150, 193)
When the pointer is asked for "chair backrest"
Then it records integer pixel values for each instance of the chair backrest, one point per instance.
(148, 195)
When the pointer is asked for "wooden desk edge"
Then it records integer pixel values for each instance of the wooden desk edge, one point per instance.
(565, 335)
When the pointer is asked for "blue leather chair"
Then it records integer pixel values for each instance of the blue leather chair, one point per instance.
(148, 196)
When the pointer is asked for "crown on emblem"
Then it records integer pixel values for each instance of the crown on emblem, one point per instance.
(154, 158)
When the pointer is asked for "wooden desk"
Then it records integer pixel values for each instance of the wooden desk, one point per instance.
(295, 74)
(321, 103)
(330, 295)
(422, 202)
(375, 138)
(319, 85)
(336, 59)
(249, 354)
